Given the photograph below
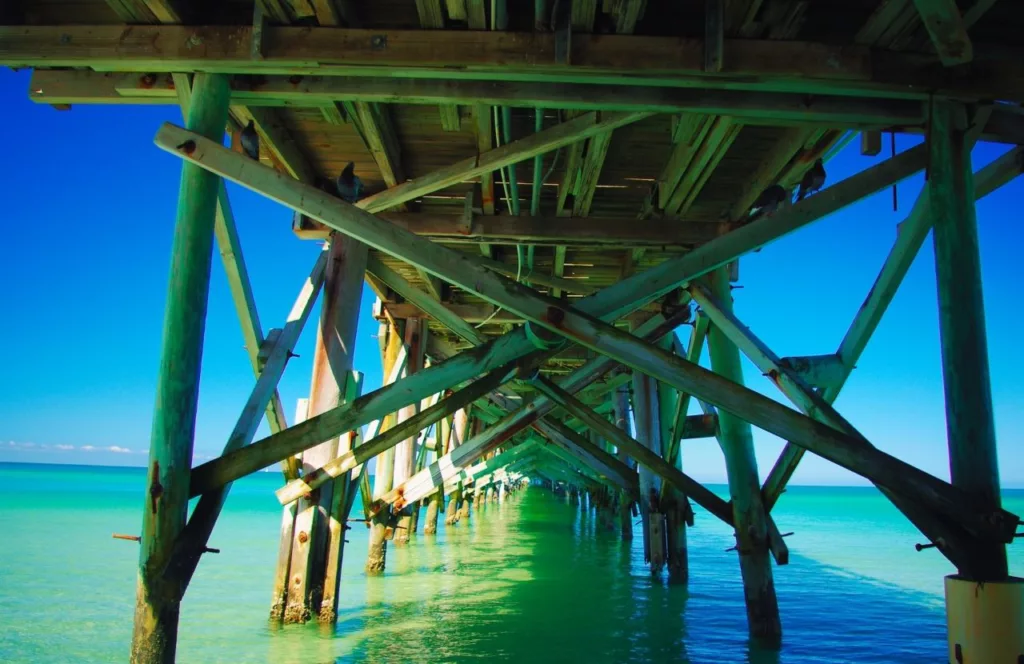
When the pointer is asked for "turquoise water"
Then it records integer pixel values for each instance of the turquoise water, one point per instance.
(531, 579)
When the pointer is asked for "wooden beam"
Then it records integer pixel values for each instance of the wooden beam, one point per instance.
(765, 65)
(912, 233)
(154, 638)
(465, 273)
(373, 122)
(772, 163)
(612, 232)
(712, 149)
(714, 35)
(611, 303)
(814, 405)
(946, 28)
(484, 128)
(774, 108)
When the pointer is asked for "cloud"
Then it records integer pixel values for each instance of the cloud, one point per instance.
(20, 446)
(65, 447)
(88, 448)
(120, 450)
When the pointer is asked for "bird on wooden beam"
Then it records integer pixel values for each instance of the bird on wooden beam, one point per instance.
(768, 202)
(350, 187)
(813, 180)
(250, 141)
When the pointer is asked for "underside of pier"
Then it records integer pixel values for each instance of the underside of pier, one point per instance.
(550, 200)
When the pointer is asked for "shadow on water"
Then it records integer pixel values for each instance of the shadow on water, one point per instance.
(539, 580)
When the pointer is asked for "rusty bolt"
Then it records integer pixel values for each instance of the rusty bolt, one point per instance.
(379, 41)
(188, 147)
(195, 40)
(303, 537)
(555, 315)
(297, 580)
(147, 80)
(295, 80)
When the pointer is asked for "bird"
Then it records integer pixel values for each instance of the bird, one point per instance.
(768, 202)
(251, 141)
(813, 180)
(350, 187)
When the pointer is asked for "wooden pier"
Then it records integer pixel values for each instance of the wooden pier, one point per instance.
(555, 197)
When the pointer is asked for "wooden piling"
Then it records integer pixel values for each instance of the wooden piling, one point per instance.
(158, 600)
(749, 520)
(673, 502)
(332, 365)
(647, 422)
(284, 552)
(621, 411)
(435, 504)
(385, 462)
(405, 453)
(970, 425)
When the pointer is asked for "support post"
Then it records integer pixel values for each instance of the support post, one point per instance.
(405, 453)
(647, 420)
(970, 425)
(158, 599)
(284, 552)
(674, 505)
(435, 505)
(744, 486)
(332, 364)
(620, 407)
(384, 463)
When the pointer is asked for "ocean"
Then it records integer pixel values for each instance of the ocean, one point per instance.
(531, 579)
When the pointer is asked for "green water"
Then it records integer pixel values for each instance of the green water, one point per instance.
(530, 579)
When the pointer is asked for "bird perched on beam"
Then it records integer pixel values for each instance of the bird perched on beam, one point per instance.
(250, 141)
(813, 180)
(768, 202)
(350, 187)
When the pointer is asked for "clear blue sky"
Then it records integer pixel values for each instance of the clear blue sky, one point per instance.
(89, 209)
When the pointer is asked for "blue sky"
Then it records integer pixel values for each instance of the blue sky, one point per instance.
(89, 210)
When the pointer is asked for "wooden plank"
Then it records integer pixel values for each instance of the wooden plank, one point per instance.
(946, 28)
(375, 127)
(647, 424)
(628, 14)
(563, 134)
(766, 65)
(154, 638)
(720, 136)
(970, 425)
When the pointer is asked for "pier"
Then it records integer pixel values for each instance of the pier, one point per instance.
(551, 201)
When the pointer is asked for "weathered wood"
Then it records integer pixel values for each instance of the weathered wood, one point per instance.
(393, 364)
(871, 143)
(340, 508)
(970, 424)
(155, 633)
(444, 468)
(821, 371)
(332, 366)
(636, 450)
(946, 28)
(912, 233)
(483, 128)
(647, 424)
(275, 136)
(279, 598)
(620, 405)
(195, 536)
(748, 510)
(612, 302)
(772, 163)
(579, 448)
(714, 35)
(583, 127)
(405, 460)
(793, 66)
